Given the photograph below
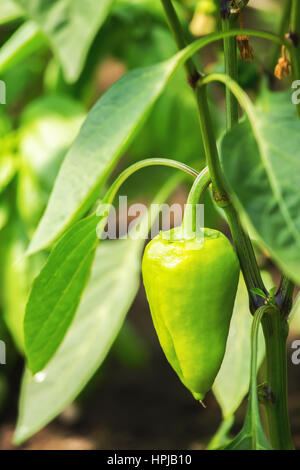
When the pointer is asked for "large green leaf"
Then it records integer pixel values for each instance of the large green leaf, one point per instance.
(104, 136)
(70, 27)
(56, 292)
(110, 291)
(232, 382)
(262, 168)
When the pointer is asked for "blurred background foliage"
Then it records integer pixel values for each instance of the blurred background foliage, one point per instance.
(54, 72)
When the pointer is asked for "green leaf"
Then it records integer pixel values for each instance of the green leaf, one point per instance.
(70, 27)
(104, 136)
(262, 168)
(251, 437)
(21, 44)
(56, 292)
(110, 291)
(232, 382)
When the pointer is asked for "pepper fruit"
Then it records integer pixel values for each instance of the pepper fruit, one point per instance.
(191, 287)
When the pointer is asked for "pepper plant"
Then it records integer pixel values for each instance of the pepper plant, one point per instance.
(252, 174)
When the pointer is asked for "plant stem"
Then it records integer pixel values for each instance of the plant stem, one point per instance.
(283, 28)
(246, 256)
(210, 147)
(275, 330)
(284, 295)
(176, 29)
(103, 208)
(230, 57)
(295, 17)
(198, 189)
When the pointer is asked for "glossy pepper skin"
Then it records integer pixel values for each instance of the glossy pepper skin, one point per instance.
(191, 287)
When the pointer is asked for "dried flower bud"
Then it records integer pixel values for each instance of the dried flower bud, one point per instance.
(245, 48)
(283, 67)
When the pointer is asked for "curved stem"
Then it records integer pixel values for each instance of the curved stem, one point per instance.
(238, 92)
(187, 53)
(199, 187)
(103, 209)
(194, 47)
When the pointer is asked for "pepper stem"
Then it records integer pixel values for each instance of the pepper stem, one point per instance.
(198, 189)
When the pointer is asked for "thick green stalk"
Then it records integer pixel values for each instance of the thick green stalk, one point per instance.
(210, 147)
(284, 295)
(230, 58)
(275, 330)
(295, 17)
(246, 256)
(176, 29)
